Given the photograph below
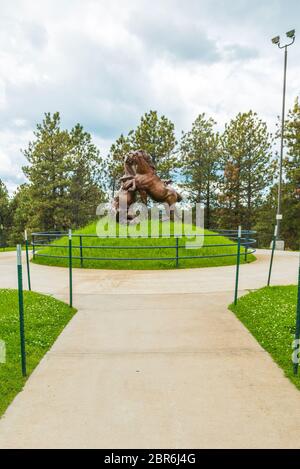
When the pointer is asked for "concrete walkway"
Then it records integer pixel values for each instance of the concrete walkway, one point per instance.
(153, 359)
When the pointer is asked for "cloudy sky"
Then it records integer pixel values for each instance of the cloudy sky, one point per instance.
(103, 63)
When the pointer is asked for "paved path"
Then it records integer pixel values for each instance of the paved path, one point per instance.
(154, 359)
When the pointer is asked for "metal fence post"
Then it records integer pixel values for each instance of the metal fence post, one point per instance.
(27, 261)
(177, 251)
(246, 245)
(21, 309)
(238, 258)
(70, 270)
(272, 254)
(33, 247)
(297, 333)
(81, 251)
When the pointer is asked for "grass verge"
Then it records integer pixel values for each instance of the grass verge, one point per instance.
(163, 248)
(45, 318)
(270, 315)
(10, 248)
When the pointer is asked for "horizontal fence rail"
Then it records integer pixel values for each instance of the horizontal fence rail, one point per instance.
(40, 240)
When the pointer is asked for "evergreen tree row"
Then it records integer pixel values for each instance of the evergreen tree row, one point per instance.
(233, 173)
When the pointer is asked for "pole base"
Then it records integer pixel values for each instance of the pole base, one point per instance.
(279, 245)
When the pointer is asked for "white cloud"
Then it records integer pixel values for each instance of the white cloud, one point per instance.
(11, 158)
(103, 64)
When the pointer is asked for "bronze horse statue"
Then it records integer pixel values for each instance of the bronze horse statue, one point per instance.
(146, 180)
(121, 204)
(124, 198)
(140, 176)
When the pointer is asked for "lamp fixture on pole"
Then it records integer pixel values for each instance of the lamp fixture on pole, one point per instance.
(276, 40)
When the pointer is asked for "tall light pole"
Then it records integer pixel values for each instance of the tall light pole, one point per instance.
(276, 40)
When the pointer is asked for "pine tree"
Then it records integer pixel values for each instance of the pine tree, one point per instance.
(199, 151)
(266, 215)
(115, 161)
(291, 189)
(86, 166)
(4, 214)
(65, 172)
(247, 169)
(292, 141)
(22, 210)
(48, 173)
(156, 135)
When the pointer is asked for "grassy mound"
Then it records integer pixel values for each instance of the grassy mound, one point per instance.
(45, 318)
(161, 249)
(270, 316)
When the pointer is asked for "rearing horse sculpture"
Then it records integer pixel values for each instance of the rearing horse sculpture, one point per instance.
(146, 180)
(124, 199)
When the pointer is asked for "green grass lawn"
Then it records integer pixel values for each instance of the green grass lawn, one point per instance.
(270, 316)
(10, 248)
(45, 318)
(224, 255)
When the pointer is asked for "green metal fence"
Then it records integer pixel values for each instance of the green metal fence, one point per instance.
(237, 238)
(42, 240)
